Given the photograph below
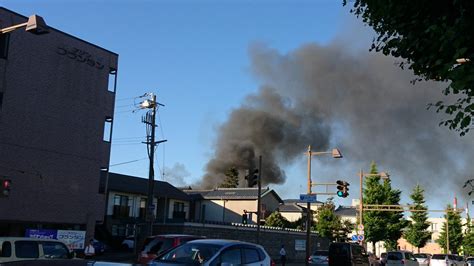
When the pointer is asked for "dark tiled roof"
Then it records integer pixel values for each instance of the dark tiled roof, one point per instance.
(290, 208)
(132, 184)
(346, 211)
(231, 193)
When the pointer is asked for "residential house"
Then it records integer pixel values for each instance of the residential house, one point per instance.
(227, 205)
(294, 209)
(127, 201)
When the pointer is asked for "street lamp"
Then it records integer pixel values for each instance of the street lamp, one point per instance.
(383, 175)
(335, 153)
(35, 25)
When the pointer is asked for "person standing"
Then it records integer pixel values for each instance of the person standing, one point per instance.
(283, 255)
(89, 251)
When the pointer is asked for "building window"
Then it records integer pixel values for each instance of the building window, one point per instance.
(178, 210)
(118, 230)
(121, 207)
(4, 41)
(112, 80)
(142, 211)
(107, 129)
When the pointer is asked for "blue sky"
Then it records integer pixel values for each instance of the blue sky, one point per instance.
(195, 56)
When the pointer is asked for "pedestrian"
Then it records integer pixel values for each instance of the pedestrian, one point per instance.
(89, 251)
(283, 255)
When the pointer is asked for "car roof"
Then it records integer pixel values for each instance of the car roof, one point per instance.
(173, 236)
(222, 242)
(10, 238)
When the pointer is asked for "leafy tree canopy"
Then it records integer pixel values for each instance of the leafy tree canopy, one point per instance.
(276, 220)
(417, 232)
(329, 225)
(430, 36)
(455, 232)
(232, 179)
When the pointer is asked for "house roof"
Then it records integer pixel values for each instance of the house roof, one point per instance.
(346, 211)
(232, 193)
(291, 207)
(138, 185)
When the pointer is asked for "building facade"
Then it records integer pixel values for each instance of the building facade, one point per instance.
(57, 96)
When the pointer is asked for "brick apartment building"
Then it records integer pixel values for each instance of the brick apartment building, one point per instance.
(57, 96)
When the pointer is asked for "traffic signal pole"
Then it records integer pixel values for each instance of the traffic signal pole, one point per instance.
(259, 205)
(308, 210)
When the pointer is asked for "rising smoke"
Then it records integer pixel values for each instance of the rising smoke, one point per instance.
(361, 102)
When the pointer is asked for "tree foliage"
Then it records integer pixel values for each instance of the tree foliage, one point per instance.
(468, 240)
(417, 232)
(429, 36)
(231, 178)
(455, 231)
(329, 225)
(276, 220)
(380, 225)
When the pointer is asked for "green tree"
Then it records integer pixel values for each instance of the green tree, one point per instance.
(329, 225)
(276, 220)
(232, 179)
(380, 225)
(455, 231)
(417, 232)
(468, 240)
(429, 36)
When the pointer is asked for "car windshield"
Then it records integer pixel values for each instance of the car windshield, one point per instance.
(421, 256)
(191, 253)
(321, 253)
(394, 256)
(438, 257)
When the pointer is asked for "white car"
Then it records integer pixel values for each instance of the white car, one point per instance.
(402, 258)
(446, 259)
(423, 259)
(470, 261)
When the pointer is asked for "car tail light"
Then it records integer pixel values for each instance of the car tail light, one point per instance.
(273, 263)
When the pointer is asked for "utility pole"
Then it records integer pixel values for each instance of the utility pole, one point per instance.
(150, 120)
(259, 205)
(308, 210)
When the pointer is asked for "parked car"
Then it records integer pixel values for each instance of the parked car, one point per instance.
(423, 259)
(128, 243)
(319, 257)
(470, 261)
(383, 258)
(24, 248)
(373, 260)
(159, 244)
(350, 254)
(460, 260)
(401, 258)
(443, 260)
(208, 252)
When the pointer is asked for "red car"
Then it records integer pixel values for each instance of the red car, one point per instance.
(159, 244)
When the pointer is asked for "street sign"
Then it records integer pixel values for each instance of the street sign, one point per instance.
(360, 237)
(354, 237)
(308, 198)
(360, 227)
(361, 232)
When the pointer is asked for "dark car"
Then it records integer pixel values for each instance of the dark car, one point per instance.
(210, 252)
(159, 244)
(347, 254)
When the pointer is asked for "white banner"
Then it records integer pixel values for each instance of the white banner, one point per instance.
(73, 239)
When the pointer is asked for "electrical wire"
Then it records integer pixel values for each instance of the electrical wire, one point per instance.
(133, 161)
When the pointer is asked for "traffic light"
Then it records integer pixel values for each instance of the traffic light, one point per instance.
(252, 178)
(6, 186)
(342, 188)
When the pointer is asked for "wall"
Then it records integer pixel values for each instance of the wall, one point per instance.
(270, 239)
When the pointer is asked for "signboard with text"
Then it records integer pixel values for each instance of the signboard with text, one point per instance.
(308, 198)
(300, 244)
(41, 233)
(72, 238)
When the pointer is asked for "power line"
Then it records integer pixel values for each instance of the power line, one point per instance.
(128, 162)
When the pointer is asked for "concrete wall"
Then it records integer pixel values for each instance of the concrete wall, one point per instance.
(55, 102)
(270, 239)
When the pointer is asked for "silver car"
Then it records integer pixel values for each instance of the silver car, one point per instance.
(470, 261)
(319, 258)
(444, 259)
(402, 258)
(216, 252)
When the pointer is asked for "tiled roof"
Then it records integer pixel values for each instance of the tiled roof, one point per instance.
(231, 193)
(346, 211)
(138, 185)
(290, 201)
(292, 207)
